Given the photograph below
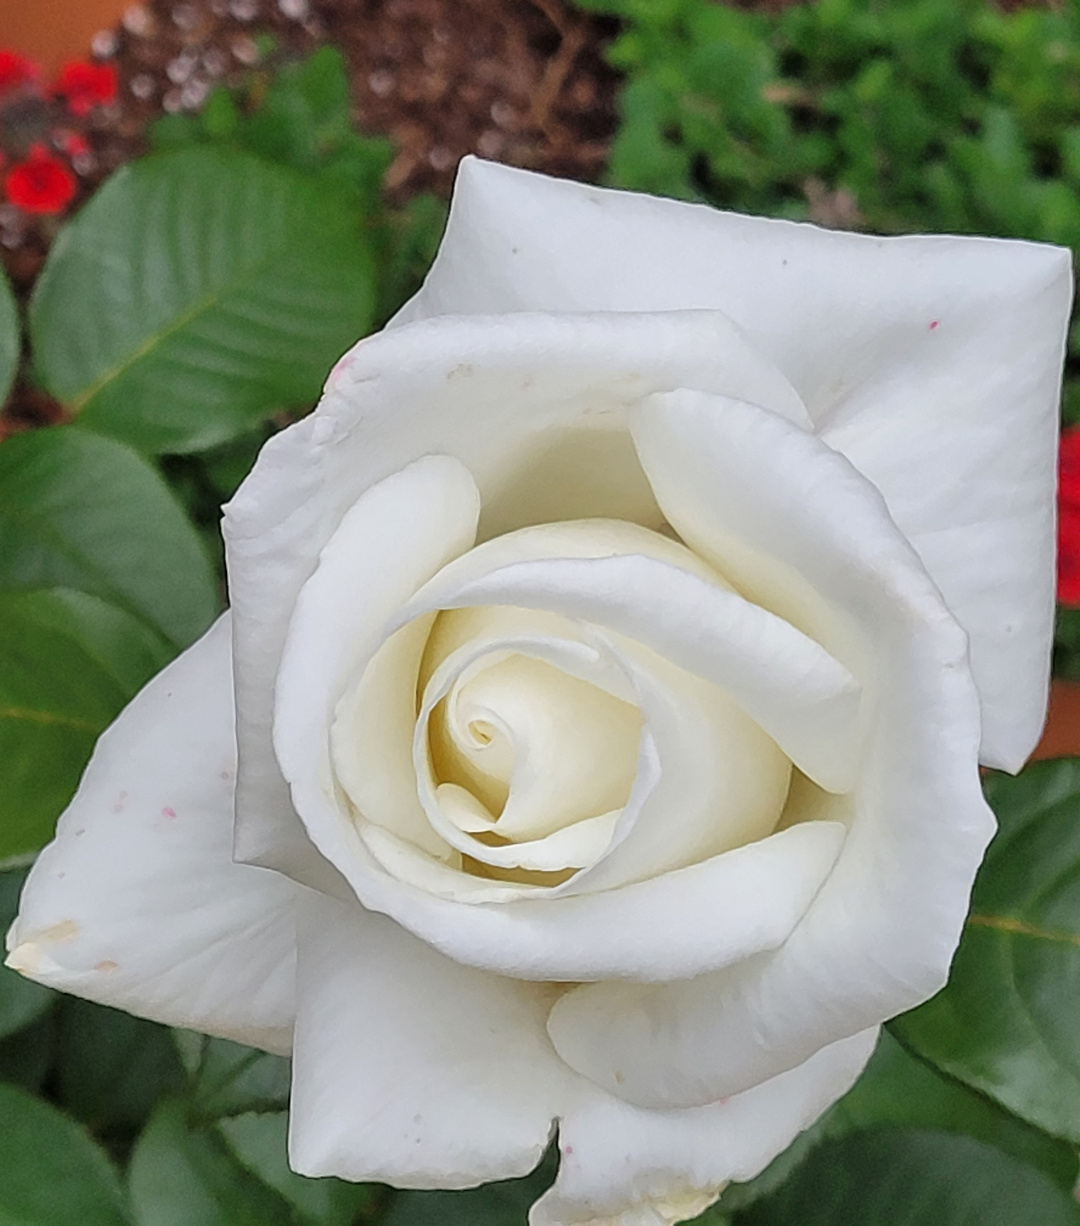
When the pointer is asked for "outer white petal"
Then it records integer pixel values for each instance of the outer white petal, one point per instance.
(137, 903)
(932, 362)
(411, 1069)
(392, 540)
(623, 1166)
(414, 1070)
(879, 936)
(535, 406)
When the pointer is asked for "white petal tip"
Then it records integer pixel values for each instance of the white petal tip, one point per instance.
(665, 1211)
(24, 958)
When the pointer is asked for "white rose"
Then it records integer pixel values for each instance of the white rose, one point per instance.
(613, 652)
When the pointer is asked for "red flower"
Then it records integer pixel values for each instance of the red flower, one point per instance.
(15, 71)
(85, 86)
(74, 144)
(1069, 518)
(41, 184)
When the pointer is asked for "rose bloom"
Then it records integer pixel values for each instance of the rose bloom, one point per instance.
(1069, 518)
(40, 184)
(610, 661)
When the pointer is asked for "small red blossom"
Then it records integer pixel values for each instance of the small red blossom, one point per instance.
(74, 144)
(85, 86)
(16, 71)
(1069, 518)
(41, 184)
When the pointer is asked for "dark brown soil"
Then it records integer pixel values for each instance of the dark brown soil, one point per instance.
(520, 81)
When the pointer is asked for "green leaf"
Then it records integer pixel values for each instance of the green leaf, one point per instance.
(304, 120)
(198, 291)
(259, 1142)
(10, 337)
(910, 1177)
(1007, 1021)
(26, 1056)
(85, 512)
(898, 1089)
(739, 1195)
(69, 663)
(185, 1176)
(21, 1002)
(231, 1079)
(111, 1067)
(51, 1173)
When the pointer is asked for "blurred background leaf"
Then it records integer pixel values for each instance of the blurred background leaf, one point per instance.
(84, 512)
(258, 1141)
(51, 1173)
(10, 337)
(198, 291)
(912, 1177)
(69, 663)
(1007, 1021)
(185, 1176)
(21, 1002)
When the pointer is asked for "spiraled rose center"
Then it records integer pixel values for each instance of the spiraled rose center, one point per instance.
(487, 750)
(520, 749)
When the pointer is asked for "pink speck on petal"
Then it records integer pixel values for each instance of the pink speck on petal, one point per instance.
(168, 812)
(934, 323)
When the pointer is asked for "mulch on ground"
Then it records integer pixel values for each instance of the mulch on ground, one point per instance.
(519, 81)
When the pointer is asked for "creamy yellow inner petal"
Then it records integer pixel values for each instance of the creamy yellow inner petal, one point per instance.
(537, 747)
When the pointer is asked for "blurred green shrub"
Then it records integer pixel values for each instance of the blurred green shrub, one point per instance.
(894, 116)
(957, 117)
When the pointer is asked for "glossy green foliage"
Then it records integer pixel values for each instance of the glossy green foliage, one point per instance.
(1007, 1022)
(84, 512)
(197, 292)
(911, 1177)
(69, 662)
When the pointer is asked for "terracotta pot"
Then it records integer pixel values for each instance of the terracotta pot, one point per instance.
(51, 32)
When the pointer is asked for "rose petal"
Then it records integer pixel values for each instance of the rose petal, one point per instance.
(571, 747)
(879, 937)
(619, 1163)
(790, 685)
(934, 363)
(722, 782)
(535, 406)
(137, 903)
(396, 536)
(677, 925)
(396, 1044)
(409, 1068)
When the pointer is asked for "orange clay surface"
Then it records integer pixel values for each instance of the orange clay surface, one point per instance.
(51, 32)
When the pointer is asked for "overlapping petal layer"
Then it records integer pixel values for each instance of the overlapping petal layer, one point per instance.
(535, 406)
(963, 348)
(382, 1077)
(880, 935)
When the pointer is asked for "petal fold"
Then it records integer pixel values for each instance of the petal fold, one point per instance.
(879, 936)
(622, 1166)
